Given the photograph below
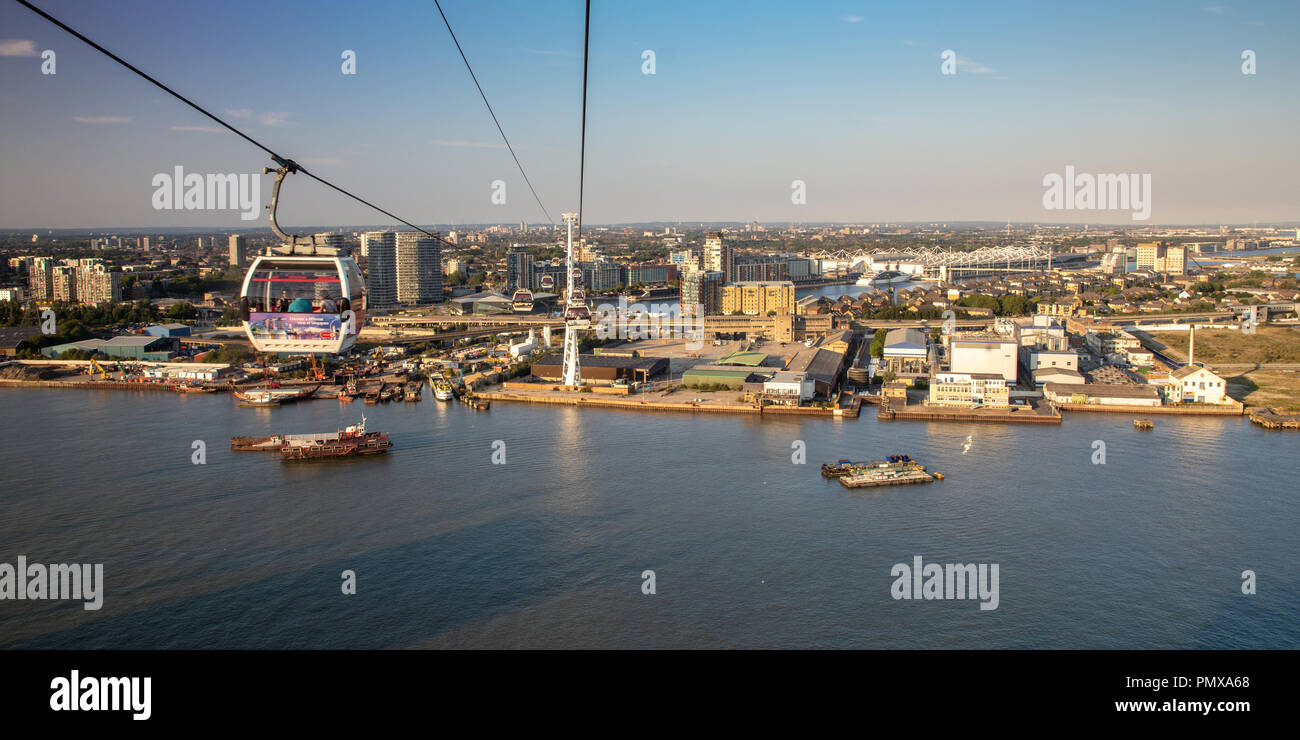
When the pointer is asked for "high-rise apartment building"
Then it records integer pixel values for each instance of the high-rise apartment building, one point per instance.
(687, 259)
(1147, 254)
(238, 250)
(96, 283)
(65, 283)
(1161, 257)
(419, 269)
(702, 289)
(717, 256)
(519, 269)
(380, 248)
(40, 278)
(1175, 260)
(330, 240)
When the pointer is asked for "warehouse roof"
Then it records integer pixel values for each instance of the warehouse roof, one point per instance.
(635, 363)
(484, 295)
(1103, 390)
(822, 364)
(12, 336)
(844, 335)
(905, 340)
(1074, 376)
(983, 339)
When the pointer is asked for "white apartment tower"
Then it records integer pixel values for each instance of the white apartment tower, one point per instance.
(717, 256)
(419, 269)
(380, 248)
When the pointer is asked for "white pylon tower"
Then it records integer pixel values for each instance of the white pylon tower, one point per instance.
(572, 320)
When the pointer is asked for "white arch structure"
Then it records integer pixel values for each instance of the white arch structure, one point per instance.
(947, 264)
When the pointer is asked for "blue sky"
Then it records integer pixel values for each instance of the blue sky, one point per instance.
(747, 97)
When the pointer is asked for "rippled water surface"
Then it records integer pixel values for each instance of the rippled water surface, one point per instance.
(748, 549)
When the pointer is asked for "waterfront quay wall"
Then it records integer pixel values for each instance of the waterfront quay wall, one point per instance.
(888, 412)
(1234, 410)
(647, 405)
(606, 402)
(91, 385)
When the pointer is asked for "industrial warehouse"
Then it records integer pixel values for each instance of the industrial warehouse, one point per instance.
(602, 368)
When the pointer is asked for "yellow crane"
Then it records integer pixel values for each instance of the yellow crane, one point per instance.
(94, 368)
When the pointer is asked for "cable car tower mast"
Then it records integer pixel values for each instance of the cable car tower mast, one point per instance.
(573, 321)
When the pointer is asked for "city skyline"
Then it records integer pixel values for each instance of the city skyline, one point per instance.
(736, 111)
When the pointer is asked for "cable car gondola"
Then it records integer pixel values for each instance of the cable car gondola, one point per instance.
(307, 303)
(576, 311)
(523, 300)
(548, 282)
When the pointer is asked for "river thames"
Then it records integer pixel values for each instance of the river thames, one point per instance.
(749, 549)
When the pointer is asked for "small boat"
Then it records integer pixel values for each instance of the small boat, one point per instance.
(274, 396)
(414, 392)
(372, 398)
(345, 397)
(187, 388)
(1144, 425)
(385, 394)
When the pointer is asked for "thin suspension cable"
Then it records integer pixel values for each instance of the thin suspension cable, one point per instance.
(282, 161)
(582, 157)
(492, 113)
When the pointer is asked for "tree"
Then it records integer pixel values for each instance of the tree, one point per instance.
(182, 310)
(878, 344)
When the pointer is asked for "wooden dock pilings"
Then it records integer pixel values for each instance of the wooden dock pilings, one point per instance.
(1274, 419)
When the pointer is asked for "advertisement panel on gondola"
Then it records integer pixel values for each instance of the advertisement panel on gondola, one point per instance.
(299, 326)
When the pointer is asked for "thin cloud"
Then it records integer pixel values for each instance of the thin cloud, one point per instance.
(101, 119)
(461, 143)
(204, 129)
(239, 112)
(274, 118)
(909, 42)
(17, 48)
(852, 18)
(970, 66)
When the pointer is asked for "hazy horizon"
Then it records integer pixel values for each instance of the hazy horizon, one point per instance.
(746, 98)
